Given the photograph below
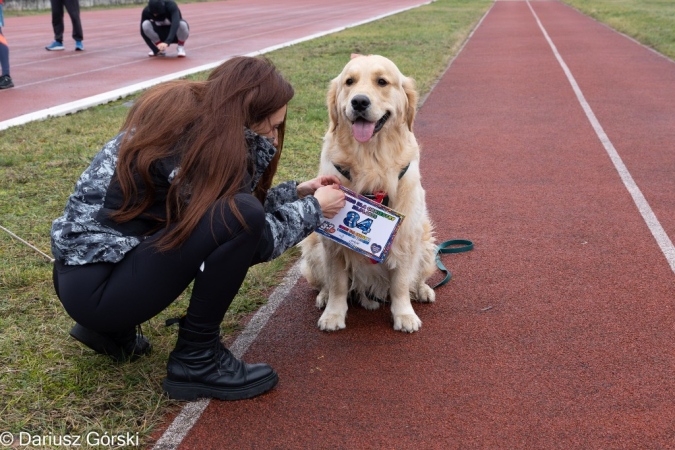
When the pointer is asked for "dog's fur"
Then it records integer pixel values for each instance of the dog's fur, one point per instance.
(335, 270)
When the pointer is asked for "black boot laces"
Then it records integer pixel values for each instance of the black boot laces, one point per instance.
(225, 360)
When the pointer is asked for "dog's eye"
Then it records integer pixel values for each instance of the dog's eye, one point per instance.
(382, 82)
(349, 81)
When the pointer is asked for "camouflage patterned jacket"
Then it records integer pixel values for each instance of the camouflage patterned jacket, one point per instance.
(85, 234)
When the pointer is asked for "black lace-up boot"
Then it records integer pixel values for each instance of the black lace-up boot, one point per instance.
(121, 346)
(200, 366)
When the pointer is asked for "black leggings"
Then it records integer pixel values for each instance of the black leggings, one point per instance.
(109, 297)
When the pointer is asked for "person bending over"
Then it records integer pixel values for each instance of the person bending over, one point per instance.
(183, 194)
(162, 25)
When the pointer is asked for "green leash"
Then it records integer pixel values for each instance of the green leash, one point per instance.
(445, 247)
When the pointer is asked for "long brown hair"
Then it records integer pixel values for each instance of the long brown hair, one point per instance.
(201, 124)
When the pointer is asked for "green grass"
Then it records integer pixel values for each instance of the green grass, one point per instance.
(652, 22)
(51, 384)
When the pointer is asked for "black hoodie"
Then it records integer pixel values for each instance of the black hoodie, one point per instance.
(168, 15)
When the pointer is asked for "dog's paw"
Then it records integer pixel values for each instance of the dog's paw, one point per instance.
(331, 322)
(321, 299)
(407, 322)
(425, 294)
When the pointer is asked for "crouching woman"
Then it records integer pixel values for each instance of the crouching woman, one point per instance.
(183, 193)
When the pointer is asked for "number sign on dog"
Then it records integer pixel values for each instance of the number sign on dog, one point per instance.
(363, 225)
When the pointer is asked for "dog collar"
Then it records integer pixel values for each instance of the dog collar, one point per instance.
(347, 174)
(377, 195)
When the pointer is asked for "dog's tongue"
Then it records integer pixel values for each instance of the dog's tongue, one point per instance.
(363, 130)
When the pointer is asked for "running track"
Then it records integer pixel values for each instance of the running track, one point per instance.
(556, 332)
(115, 60)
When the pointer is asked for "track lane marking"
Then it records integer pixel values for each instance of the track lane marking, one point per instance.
(106, 97)
(648, 215)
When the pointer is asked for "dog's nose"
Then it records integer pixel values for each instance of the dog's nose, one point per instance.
(360, 103)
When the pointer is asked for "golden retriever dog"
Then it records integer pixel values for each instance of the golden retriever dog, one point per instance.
(371, 147)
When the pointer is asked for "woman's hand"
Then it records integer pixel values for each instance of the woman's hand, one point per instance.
(331, 198)
(310, 187)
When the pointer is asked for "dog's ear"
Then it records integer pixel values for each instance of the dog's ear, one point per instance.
(331, 99)
(409, 86)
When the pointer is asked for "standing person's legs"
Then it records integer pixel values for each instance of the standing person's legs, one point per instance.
(5, 79)
(73, 8)
(57, 19)
(4, 54)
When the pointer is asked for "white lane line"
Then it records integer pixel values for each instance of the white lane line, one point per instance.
(180, 426)
(99, 99)
(259, 320)
(648, 215)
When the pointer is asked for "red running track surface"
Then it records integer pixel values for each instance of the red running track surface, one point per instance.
(556, 332)
(115, 55)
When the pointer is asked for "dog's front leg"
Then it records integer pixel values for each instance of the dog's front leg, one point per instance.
(402, 311)
(333, 317)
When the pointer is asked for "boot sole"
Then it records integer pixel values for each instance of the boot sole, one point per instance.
(183, 390)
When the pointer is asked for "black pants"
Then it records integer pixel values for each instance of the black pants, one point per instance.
(73, 8)
(113, 296)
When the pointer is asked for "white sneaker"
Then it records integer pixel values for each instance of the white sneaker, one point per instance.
(180, 51)
(153, 54)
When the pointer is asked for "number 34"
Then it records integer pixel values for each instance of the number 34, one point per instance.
(352, 221)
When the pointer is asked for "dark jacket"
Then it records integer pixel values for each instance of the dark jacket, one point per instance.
(85, 233)
(168, 16)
